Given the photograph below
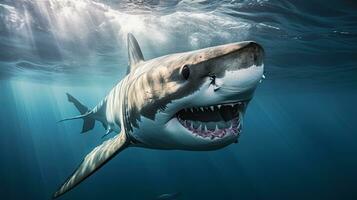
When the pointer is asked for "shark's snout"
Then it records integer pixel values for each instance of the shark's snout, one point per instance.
(256, 52)
(238, 71)
(240, 56)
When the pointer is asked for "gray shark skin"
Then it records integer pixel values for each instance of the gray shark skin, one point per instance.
(189, 101)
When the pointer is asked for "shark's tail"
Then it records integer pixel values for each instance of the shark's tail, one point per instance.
(86, 114)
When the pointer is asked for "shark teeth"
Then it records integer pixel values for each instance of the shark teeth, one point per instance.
(204, 130)
(215, 107)
(213, 121)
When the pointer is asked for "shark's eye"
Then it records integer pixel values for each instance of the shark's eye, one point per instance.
(185, 71)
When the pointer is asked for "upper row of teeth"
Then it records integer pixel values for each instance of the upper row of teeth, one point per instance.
(212, 107)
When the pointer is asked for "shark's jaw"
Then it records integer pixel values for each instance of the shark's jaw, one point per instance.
(215, 121)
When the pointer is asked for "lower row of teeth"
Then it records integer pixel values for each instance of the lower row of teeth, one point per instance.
(235, 127)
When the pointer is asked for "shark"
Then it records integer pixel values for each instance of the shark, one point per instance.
(192, 101)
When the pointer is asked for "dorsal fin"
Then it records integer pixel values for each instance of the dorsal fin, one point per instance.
(134, 52)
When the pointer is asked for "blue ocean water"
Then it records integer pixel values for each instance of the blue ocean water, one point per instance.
(299, 139)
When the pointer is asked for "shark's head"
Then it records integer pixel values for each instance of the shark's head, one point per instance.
(195, 100)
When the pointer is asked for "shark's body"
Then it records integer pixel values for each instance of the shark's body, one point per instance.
(190, 101)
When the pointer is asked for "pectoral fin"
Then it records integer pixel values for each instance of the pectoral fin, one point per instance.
(93, 161)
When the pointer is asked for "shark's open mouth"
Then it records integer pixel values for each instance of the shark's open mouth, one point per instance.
(214, 121)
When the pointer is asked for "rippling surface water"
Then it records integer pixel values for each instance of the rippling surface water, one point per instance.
(299, 139)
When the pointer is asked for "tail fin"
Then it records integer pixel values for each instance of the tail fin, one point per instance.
(86, 114)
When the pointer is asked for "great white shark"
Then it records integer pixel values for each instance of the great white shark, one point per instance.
(189, 101)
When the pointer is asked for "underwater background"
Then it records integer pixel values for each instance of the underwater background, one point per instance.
(299, 138)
